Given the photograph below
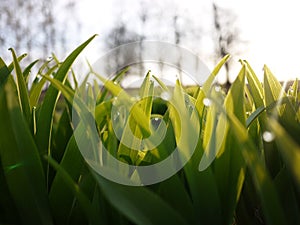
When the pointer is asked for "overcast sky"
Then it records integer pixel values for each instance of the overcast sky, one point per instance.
(270, 27)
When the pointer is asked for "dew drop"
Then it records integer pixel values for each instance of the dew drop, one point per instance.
(165, 96)
(116, 116)
(217, 88)
(268, 136)
(207, 102)
(191, 107)
(155, 122)
(49, 59)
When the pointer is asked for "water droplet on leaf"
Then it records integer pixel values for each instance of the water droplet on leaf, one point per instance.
(207, 102)
(217, 88)
(155, 122)
(268, 136)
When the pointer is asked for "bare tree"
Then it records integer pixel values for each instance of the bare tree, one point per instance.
(227, 35)
(31, 26)
(178, 26)
(151, 21)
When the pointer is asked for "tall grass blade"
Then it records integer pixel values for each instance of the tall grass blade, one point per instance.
(44, 122)
(4, 73)
(21, 161)
(85, 203)
(267, 193)
(289, 150)
(22, 89)
(151, 210)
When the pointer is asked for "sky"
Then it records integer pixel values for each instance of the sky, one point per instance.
(270, 28)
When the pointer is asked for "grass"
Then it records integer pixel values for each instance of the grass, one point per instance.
(242, 167)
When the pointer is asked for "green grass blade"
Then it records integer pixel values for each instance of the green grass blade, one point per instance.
(254, 85)
(134, 141)
(178, 197)
(116, 79)
(289, 150)
(4, 73)
(164, 87)
(136, 112)
(288, 196)
(83, 200)
(21, 161)
(87, 184)
(258, 113)
(74, 78)
(269, 198)
(139, 204)
(61, 199)
(22, 89)
(27, 70)
(272, 88)
(67, 92)
(230, 165)
(62, 134)
(214, 132)
(11, 65)
(293, 91)
(37, 87)
(8, 208)
(254, 115)
(208, 84)
(204, 191)
(44, 122)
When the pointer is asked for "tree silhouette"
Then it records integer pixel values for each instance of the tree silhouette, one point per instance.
(226, 34)
(32, 26)
(175, 25)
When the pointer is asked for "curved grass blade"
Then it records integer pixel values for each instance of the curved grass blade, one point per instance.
(27, 70)
(208, 84)
(131, 127)
(261, 179)
(254, 115)
(289, 150)
(11, 65)
(37, 87)
(4, 73)
(258, 112)
(22, 89)
(116, 79)
(254, 85)
(44, 122)
(136, 112)
(272, 88)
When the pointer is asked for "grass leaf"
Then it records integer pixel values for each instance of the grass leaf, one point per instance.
(22, 89)
(44, 122)
(21, 161)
